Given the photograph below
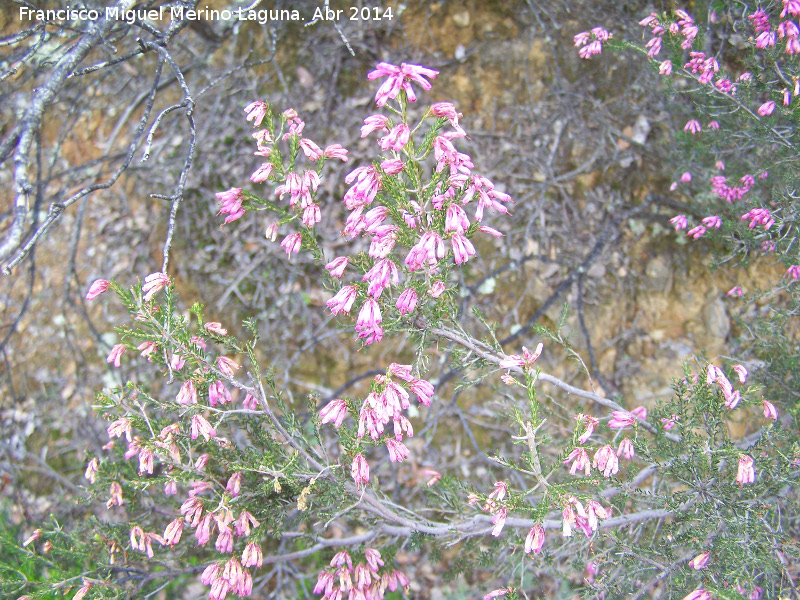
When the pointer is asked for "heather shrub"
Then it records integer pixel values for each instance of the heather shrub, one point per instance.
(211, 470)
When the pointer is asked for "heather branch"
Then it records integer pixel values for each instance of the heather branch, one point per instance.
(493, 358)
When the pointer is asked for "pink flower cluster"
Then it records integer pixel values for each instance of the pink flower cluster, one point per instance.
(586, 519)
(715, 375)
(400, 78)
(759, 216)
(382, 407)
(364, 581)
(719, 185)
(684, 26)
(374, 211)
(591, 42)
(227, 578)
(706, 67)
(493, 505)
(301, 188)
(605, 459)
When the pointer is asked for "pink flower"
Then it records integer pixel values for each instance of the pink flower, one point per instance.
(712, 221)
(654, 46)
(498, 593)
(396, 139)
(218, 393)
(640, 411)
(271, 233)
(696, 232)
(794, 271)
(400, 78)
(499, 521)
(227, 366)
(336, 151)
(621, 419)
(202, 427)
(98, 287)
(360, 470)
(252, 555)
(335, 411)
(500, 491)
(342, 302)
(224, 541)
(216, 328)
(594, 47)
(116, 355)
(146, 461)
(582, 38)
(91, 471)
(374, 560)
(448, 111)
(428, 249)
(526, 361)
(407, 301)
(368, 322)
(262, 173)
(397, 451)
(434, 476)
(230, 203)
(591, 423)
(686, 177)
(423, 389)
(256, 111)
(490, 231)
(741, 373)
(679, 221)
(437, 289)
(84, 589)
(153, 283)
(693, 126)
(735, 292)
(187, 394)
(456, 219)
(665, 68)
(148, 348)
(605, 460)
(713, 125)
(115, 491)
(310, 149)
(118, 427)
(172, 534)
(699, 561)
(250, 402)
(243, 523)
(234, 486)
(392, 166)
(766, 109)
(177, 361)
(626, 449)
(770, 412)
(463, 249)
(535, 540)
(291, 243)
(580, 461)
(374, 123)
(382, 275)
(746, 473)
